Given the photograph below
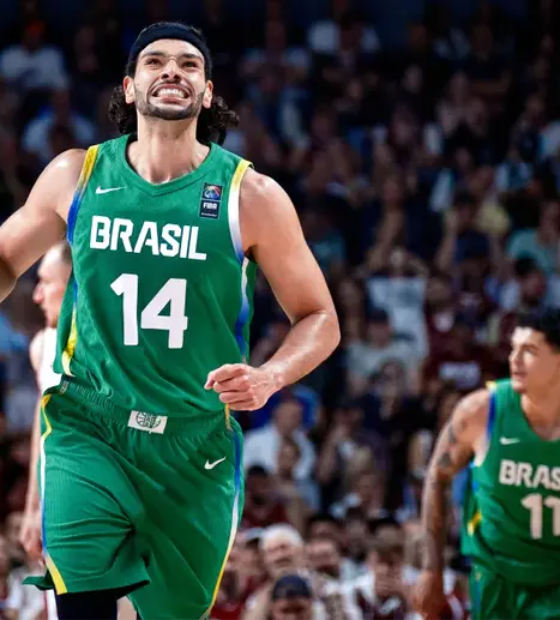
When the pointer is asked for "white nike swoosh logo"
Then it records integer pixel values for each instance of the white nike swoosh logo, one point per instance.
(505, 441)
(101, 190)
(209, 465)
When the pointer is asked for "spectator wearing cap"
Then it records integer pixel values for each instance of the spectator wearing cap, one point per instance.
(291, 599)
(262, 445)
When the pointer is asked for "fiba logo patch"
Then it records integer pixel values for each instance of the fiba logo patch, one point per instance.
(212, 192)
(147, 420)
(210, 201)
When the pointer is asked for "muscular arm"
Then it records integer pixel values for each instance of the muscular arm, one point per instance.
(272, 234)
(40, 223)
(459, 441)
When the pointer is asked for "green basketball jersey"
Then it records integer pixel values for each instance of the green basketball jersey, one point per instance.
(512, 514)
(161, 292)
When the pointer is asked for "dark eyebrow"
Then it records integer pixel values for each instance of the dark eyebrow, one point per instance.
(189, 55)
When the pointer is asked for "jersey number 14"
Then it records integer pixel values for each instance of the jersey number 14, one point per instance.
(173, 292)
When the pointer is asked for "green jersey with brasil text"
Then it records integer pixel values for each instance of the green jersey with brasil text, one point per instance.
(512, 513)
(161, 292)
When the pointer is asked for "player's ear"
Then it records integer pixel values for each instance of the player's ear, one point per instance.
(208, 94)
(128, 88)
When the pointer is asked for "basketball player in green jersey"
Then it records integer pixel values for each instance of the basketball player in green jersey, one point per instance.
(140, 469)
(510, 433)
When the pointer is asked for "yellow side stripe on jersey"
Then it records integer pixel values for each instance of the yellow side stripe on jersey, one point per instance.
(59, 585)
(228, 417)
(68, 352)
(234, 524)
(473, 523)
(233, 532)
(58, 581)
(490, 386)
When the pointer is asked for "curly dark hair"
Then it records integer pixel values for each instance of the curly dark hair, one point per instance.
(213, 122)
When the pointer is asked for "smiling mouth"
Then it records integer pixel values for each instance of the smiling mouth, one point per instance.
(170, 92)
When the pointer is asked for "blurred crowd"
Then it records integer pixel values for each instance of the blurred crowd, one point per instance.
(427, 180)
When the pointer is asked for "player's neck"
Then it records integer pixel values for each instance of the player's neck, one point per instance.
(165, 151)
(543, 408)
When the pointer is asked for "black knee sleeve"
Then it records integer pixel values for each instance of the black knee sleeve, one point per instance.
(97, 605)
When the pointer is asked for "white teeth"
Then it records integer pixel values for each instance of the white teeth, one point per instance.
(172, 92)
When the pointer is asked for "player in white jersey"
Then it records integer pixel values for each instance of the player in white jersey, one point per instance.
(54, 271)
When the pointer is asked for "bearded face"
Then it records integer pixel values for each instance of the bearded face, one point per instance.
(169, 82)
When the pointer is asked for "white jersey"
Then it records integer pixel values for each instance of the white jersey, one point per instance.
(46, 376)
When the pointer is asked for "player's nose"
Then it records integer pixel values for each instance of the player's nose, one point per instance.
(37, 294)
(171, 71)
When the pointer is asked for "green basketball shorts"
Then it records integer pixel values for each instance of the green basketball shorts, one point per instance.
(129, 500)
(494, 597)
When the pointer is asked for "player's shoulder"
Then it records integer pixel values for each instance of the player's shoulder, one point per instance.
(263, 200)
(68, 162)
(259, 188)
(265, 209)
(472, 410)
(63, 171)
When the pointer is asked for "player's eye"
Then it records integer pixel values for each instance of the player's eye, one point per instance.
(152, 61)
(190, 64)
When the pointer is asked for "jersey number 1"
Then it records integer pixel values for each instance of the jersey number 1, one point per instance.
(534, 502)
(173, 292)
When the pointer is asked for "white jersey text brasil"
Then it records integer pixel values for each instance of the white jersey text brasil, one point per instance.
(169, 240)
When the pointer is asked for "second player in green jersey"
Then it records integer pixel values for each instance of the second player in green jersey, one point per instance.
(510, 433)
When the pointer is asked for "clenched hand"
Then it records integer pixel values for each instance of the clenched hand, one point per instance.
(242, 387)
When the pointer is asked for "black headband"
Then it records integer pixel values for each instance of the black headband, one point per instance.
(169, 30)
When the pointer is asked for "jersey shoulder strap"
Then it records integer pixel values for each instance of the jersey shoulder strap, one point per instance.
(85, 176)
